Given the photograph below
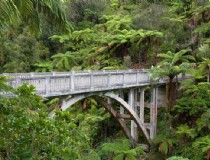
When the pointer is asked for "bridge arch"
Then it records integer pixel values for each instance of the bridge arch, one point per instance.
(99, 98)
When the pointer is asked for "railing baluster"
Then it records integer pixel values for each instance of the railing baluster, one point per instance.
(91, 80)
(18, 82)
(109, 80)
(47, 86)
(72, 81)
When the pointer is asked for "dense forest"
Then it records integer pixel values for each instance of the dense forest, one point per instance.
(167, 37)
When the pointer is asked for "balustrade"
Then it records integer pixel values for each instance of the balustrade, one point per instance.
(67, 83)
(63, 83)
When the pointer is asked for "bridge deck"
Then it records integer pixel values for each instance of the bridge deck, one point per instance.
(68, 83)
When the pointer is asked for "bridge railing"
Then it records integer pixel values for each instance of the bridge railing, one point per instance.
(66, 83)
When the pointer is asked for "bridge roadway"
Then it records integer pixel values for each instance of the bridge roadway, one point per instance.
(51, 84)
(113, 84)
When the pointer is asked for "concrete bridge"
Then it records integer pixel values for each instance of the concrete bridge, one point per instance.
(126, 87)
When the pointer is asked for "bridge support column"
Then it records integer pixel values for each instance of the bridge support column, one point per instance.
(109, 101)
(153, 112)
(142, 105)
(136, 111)
(122, 111)
(131, 102)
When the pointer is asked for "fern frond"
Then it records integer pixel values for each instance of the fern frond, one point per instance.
(166, 56)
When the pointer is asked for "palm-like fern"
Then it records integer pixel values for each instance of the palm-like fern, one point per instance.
(89, 154)
(204, 144)
(63, 61)
(122, 150)
(165, 144)
(185, 132)
(204, 121)
(116, 22)
(119, 32)
(13, 11)
(171, 65)
(176, 58)
(112, 38)
(3, 86)
(177, 158)
(204, 67)
(44, 66)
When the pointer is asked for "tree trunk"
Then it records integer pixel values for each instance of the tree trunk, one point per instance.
(171, 94)
(171, 99)
(121, 51)
(124, 157)
(208, 154)
(121, 1)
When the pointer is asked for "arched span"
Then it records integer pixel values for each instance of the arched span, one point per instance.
(67, 103)
(114, 114)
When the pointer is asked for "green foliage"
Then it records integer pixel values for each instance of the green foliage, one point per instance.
(204, 67)
(85, 14)
(150, 16)
(199, 100)
(204, 28)
(173, 64)
(3, 86)
(63, 62)
(164, 18)
(122, 150)
(203, 144)
(29, 11)
(43, 66)
(204, 51)
(21, 51)
(186, 131)
(177, 158)
(111, 39)
(203, 123)
(164, 143)
(27, 131)
(115, 4)
(192, 110)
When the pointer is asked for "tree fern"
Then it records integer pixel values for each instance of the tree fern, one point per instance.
(64, 61)
(204, 121)
(12, 11)
(203, 28)
(168, 55)
(112, 37)
(44, 66)
(204, 67)
(122, 150)
(3, 85)
(184, 130)
(203, 143)
(164, 144)
(177, 158)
